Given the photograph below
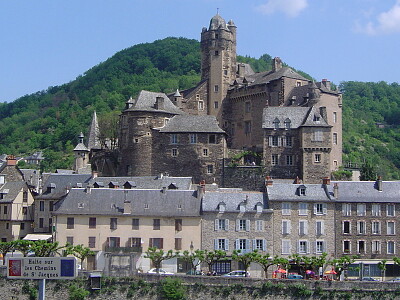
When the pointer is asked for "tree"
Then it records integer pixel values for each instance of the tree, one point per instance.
(43, 248)
(342, 264)
(192, 258)
(82, 252)
(6, 247)
(157, 256)
(211, 257)
(23, 246)
(382, 267)
(266, 261)
(246, 258)
(368, 172)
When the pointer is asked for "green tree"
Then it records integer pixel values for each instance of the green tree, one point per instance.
(245, 258)
(23, 246)
(193, 259)
(6, 247)
(382, 267)
(211, 257)
(157, 256)
(43, 248)
(82, 253)
(342, 264)
(368, 172)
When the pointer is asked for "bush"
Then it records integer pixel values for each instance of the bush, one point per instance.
(77, 293)
(172, 289)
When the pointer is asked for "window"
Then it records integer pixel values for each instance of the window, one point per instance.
(273, 141)
(317, 119)
(289, 160)
(92, 242)
(70, 240)
(376, 247)
(303, 227)
(178, 224)
(287, 124)
(247, 127)
(174, 152)
(216, 88)
(320, 209)
(247, 107)
(286, 208)
(178, 243)
(205, 152)
(113, 242)
(24, 211)
(242, 244)
(22, 226)
(216, 52)
(259, 244)
(156, 224)
(286, 227)
(303, 247)
(225, 72)
(276, 124)
(390, 228)
(361, 227)
(136, 242)
(334, 117)
(242, 225)
(25, 196)
(201, 105)
(335, 138)
(174, 138)
(135, 224)
(317, 158)
(70, 223)
(41, 222)
(302, 191)
(92, 222)
(318, 137)
(193, 138)
(156, 242)
(390, 210)
(113, 223)
(286, 247)
(361, 209)
(50, 222)
(51, 205)
(212, 139)
(319, 228)
(376, 210)
(274, 159)
(210, 169)
(288, 141)
(361, 247)
(346, 247)
(5, 209)
(319, 247)
(215, 104)
(259, 225)
(298, 83)
(41, 205)
(390, 247)
(346, 209)
(376, 227)
(221, 244)
(346, 227)
(221, 224)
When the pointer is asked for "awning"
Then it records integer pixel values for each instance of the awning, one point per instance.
(37, 237)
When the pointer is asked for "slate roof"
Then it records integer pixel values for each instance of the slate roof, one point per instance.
(93, 140)
(146, 182)
(232, 199)
(146, 102)
(11, 190)
(61, 183)
(297, 116)
(366, 191)
(192, 123)
(310, 119)
(102, 201)
(290, 192)
(217, 22)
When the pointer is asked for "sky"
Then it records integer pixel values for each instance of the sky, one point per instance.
(46, 43)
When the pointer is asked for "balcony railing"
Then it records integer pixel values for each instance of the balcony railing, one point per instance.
(123, 249)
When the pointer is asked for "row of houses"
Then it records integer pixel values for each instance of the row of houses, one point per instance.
(120, 217)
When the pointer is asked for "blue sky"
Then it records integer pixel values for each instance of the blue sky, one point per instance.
(50, 42)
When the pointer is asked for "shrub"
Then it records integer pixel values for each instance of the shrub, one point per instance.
(77, 293)
(172, 289)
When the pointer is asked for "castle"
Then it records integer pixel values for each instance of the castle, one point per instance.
(290, 125)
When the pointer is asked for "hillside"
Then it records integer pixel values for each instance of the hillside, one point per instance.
(51, 120)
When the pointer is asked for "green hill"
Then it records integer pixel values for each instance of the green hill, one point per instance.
(51, 120)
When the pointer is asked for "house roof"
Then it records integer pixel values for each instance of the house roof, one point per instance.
(366, 191)
(155, 202)
(146, 102)
(10, 190)
(290, 192)
(296, 115)
(232, 200)
(191, 123)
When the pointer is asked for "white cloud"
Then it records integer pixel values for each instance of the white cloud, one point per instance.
(386, 22)
(289, 7)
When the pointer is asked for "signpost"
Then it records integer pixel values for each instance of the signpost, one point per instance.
(41, 268)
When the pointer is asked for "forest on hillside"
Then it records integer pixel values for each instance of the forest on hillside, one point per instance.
(51, 120)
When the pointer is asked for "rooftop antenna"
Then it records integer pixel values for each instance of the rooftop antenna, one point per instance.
(217, 10)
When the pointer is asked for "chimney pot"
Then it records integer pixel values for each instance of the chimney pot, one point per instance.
(269, 181)
(336, 190)
(326, 181)
(379, 183)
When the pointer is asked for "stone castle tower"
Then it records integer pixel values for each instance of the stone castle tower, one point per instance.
(218, 61)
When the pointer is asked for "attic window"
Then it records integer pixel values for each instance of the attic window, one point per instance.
(276, 124)
(317, 119)
(242, 207)
(222, 207)
(287, 123)
(259, 207)
(146, 206)
(302, 190)
(81, 205)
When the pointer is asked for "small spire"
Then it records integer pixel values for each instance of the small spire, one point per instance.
(217, 10)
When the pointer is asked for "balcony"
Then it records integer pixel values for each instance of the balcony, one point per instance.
(123, 249)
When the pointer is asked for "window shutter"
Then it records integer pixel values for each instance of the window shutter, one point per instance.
(289, 227)
(226, 245)
(248, 244)
(264, 245)
(315, 208)
(325, 210)
(237, 225)
(322, 228)
(308, 247)
(279, 141)
(284, 227)
(343, 209)
(108, 242)
(305, 227)
(215, 244)
(247, 225)
(298, 247)
(162, 243)
(216, 224)
(270, 140)
(284, 141)
(254, 244)
(118, 241)
(237, 244)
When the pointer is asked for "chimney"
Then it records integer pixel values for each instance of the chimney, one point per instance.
(326, 181)
(276, 64)
(159, 103)
(200, 191)
(11, 161)
(241, 70)
(379, 183)
(326, 83)
(297, 180)
(336, 190)
(94, 174)
(268, 181)
(178, 98)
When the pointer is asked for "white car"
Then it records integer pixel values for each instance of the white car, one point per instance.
(160, 271)
(238, 273)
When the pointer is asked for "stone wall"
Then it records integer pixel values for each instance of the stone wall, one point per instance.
(249, 178)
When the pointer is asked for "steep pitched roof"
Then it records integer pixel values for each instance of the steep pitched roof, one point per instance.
(192, 123)
(314, 119)
(93, 141)
(146, 102)
(290, 192)
(232, 200)
(10, 190)
(169, 203)
(268, 76)
(297, 116)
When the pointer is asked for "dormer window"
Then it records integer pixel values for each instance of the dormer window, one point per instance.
(287, 124)
(302, 190)
(276, 124)
(222, 207)
(172, 186)
(242, 207)
(259, 207)
(317, 119)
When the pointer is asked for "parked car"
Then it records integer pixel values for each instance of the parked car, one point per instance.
(397, 279)
(194, 272)
(295, 276)
(369, 279)
(237, 273)
(160, 271)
